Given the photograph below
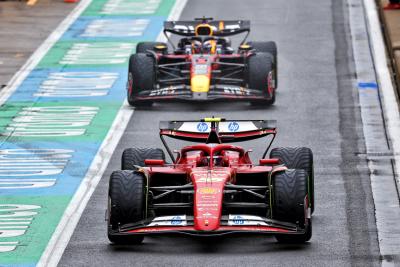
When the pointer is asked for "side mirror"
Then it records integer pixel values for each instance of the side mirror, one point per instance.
(247, 153)
(154, 162)
(269, 161)
(245, 47)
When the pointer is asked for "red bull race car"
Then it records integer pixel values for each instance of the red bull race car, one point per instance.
(212, 188)
(203, 65)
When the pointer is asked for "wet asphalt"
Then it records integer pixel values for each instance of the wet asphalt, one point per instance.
(316, 106)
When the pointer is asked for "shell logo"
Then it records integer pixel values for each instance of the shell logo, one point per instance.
(207, 191)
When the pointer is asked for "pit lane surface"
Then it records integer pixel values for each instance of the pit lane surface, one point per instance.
(316, 107)
(23, 29)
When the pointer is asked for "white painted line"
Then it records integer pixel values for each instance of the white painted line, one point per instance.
(76, 207)
(390, 104)
(386, 204)
(61, 236)
(35, 58)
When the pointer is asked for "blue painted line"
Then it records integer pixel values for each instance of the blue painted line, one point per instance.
(367, 85)
(28, 88)
(68, 181)
(58, 178)
(150, 33)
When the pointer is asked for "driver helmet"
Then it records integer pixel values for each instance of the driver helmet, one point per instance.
(196, 47)
(210, 46)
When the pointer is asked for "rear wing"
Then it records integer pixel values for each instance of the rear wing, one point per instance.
(226, 131)
(217, 130)
(220, 27)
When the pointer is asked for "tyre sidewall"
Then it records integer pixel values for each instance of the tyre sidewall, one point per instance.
(141, 75)
(260, 75)
(126, 198)
(268, 47)
(298, 158)
(289, 192)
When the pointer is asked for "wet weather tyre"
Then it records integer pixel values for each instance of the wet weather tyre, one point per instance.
(143, 47)
(132, 157)
(259, 70)
(268, 47)
(298, 158)
(141, 77)
(126, 204)
(289, 192)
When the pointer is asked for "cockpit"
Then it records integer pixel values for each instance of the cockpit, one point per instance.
(207, 156)
(210, 45)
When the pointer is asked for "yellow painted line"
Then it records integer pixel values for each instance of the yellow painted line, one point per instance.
(31, 2)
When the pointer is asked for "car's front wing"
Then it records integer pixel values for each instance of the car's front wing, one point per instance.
(216, 92)
(182, 224)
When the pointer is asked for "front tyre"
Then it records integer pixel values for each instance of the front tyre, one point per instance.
(259, 77)
(290, 203)
(127, 204)
(298, 158)
(141, 77)
(268, 47)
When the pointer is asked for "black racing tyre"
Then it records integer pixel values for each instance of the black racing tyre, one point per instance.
(264, 47)
(143, 47)
(141, 77)
(289, 192)
(268, 47)
(298, 158)
(127, 199)
(259, 69)
(132, 157)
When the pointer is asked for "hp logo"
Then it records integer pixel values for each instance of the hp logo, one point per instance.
(202, 127)
(176, 220)
(233, 126)
(238, 220)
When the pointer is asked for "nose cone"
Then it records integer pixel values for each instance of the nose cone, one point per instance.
(209, 189)
(207, 224)
(207, 208)
(200, 83)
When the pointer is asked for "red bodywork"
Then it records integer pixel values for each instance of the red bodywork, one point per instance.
(209, 181)
(211, 171)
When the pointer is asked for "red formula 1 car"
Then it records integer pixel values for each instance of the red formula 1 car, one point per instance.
(212, 188)
(203, 65)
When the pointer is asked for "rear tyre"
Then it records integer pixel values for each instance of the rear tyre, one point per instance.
(126, 204)
(268, 47)
(132, 157)
(143, 47)
(141, 77)
(259, 76)
(289, 193)
(298, 158)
